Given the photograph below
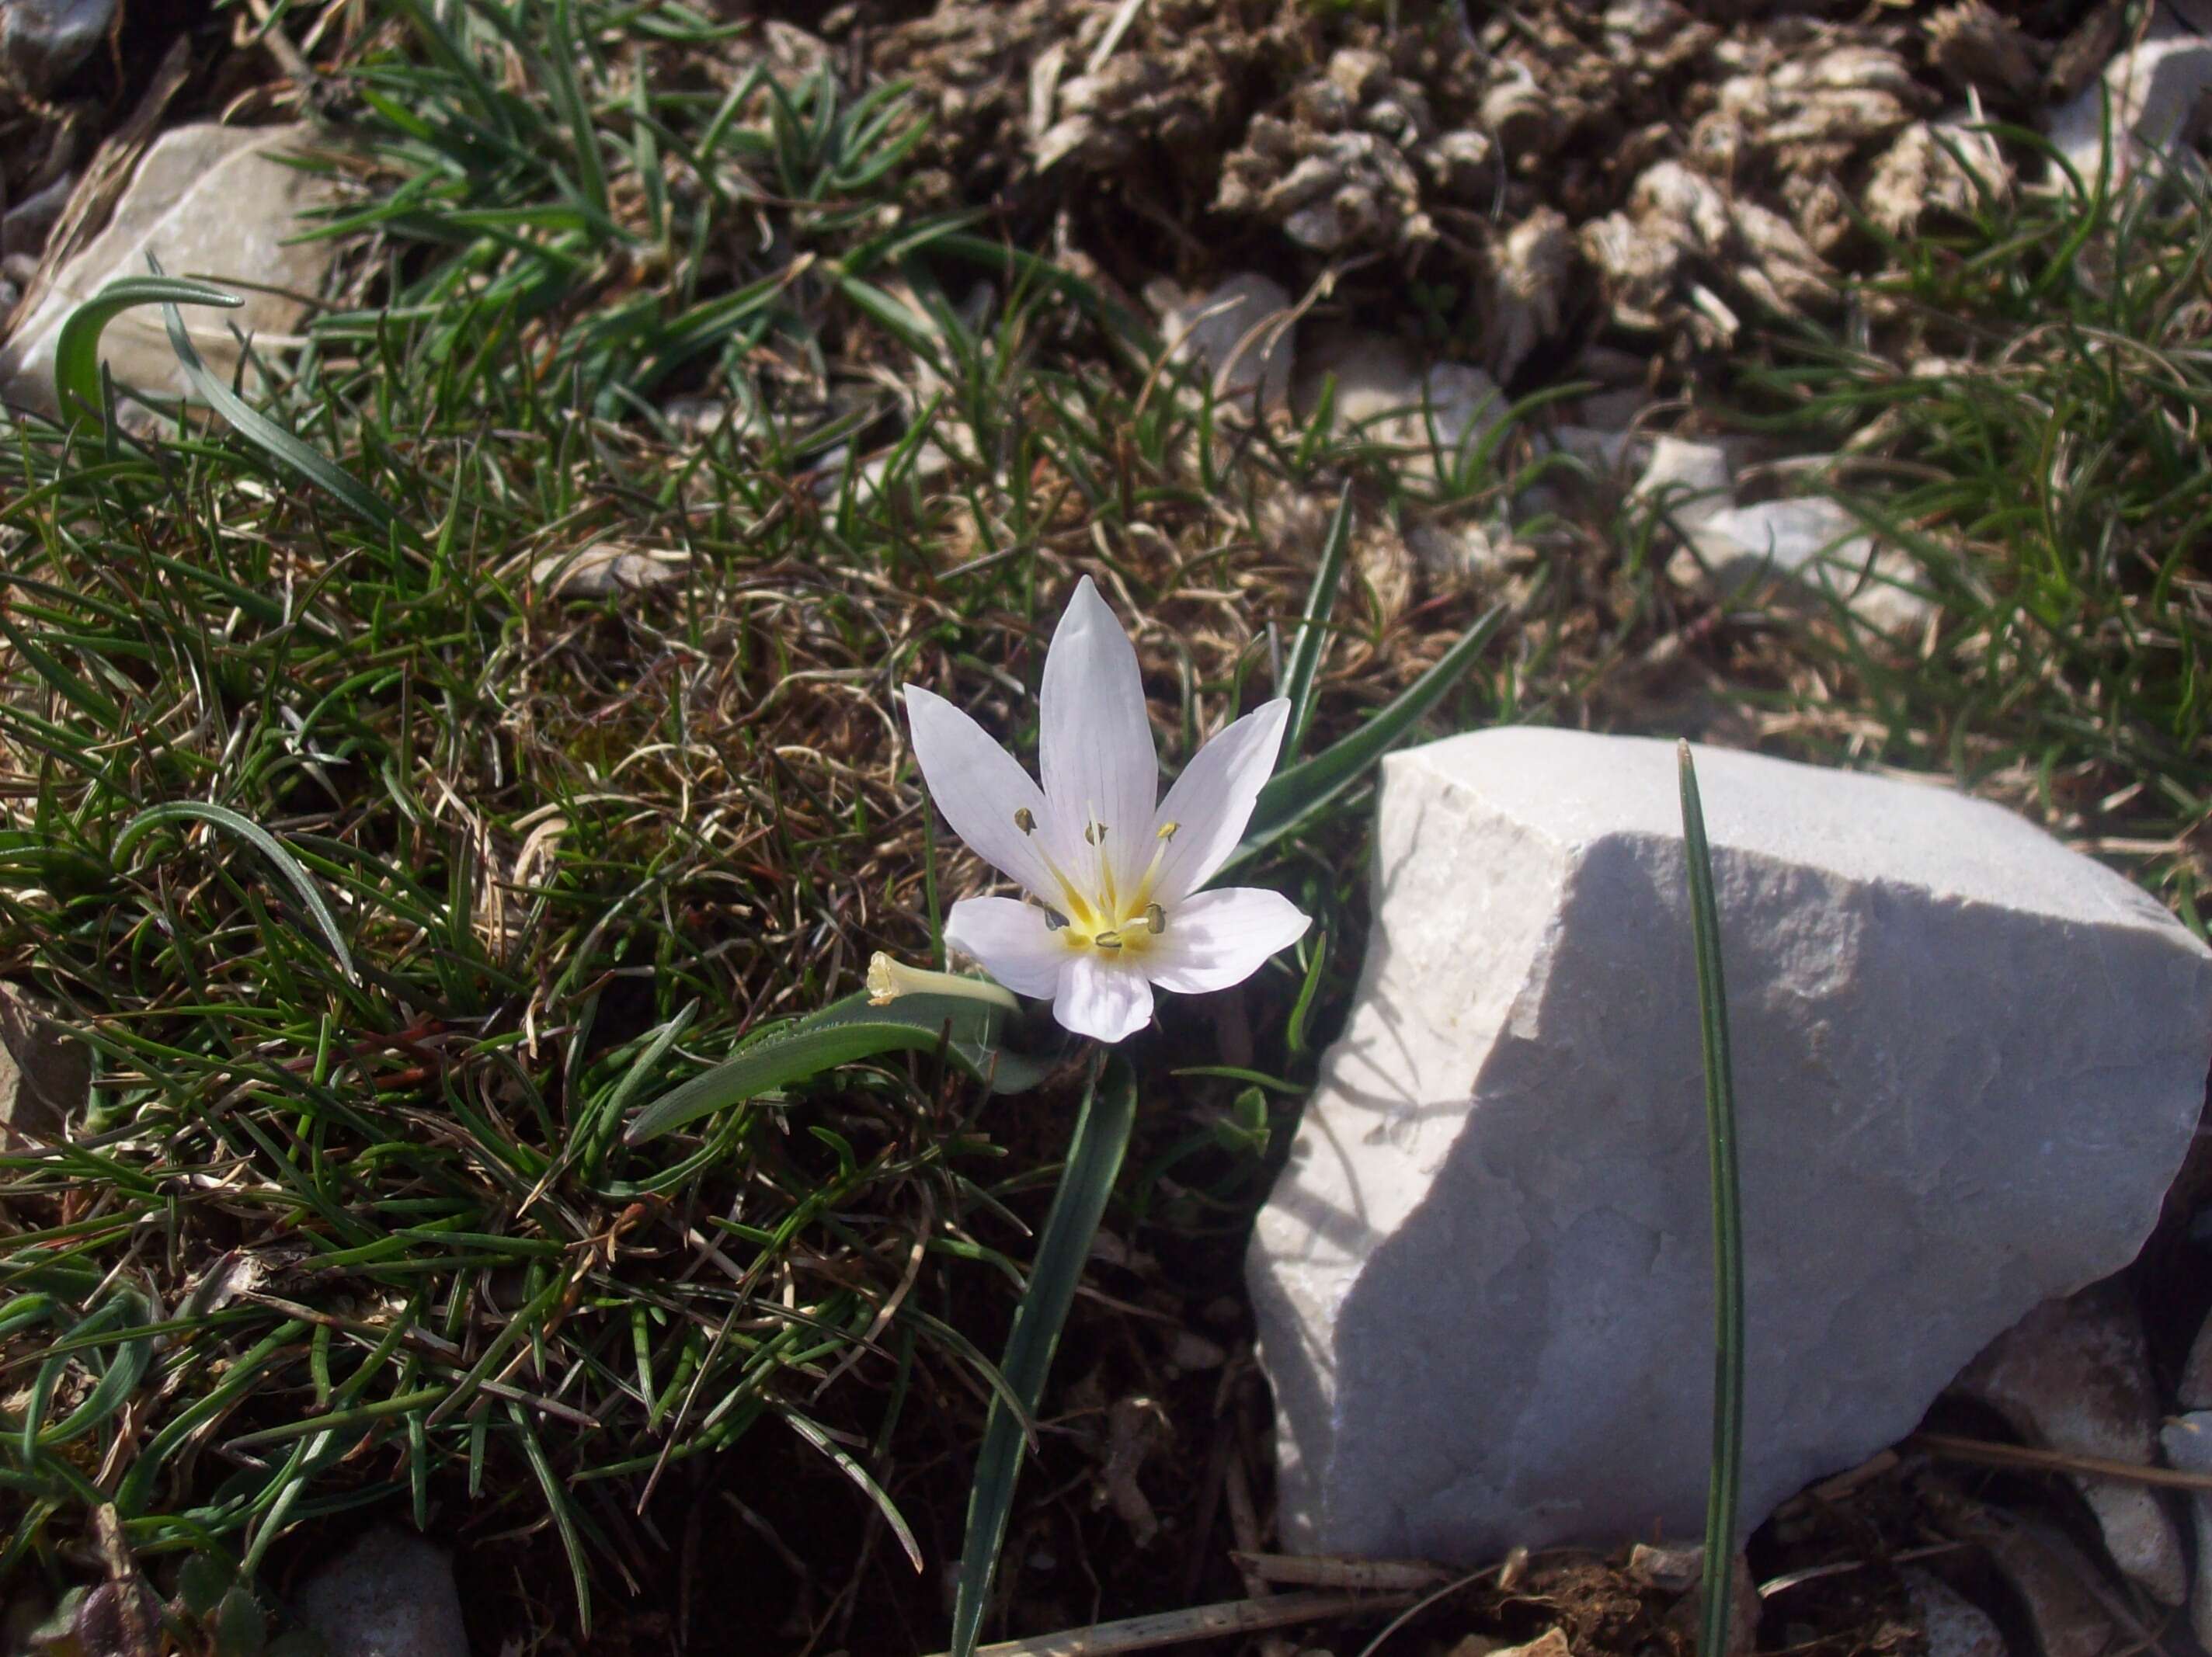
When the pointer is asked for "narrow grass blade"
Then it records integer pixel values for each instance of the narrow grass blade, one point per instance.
(1312, 642)
(262, 841)
(840, 1034)
(560, 65)
(1728, 1224)
(1305, 787)
(1094, 1158)
(76, 348)
(814, 1434)
(116, 1384)
(558, 1503)
(265, 433)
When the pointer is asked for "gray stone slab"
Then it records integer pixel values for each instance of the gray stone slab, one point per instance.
(1968, 1062)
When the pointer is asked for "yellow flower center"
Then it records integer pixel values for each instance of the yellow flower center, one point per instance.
(1095, 914)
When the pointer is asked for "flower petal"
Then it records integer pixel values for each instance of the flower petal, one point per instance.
(1107, 1002)
(1010, 939)
(1219, 938)
(1212, 801)
(1094, 751)
(980, 788)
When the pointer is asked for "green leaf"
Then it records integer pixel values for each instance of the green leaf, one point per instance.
(1094, 1158)
(563, 1511)
(1293, 795)
(560, 66)
(241, 1628)
(1312, 642)
(202, 1581)
(841, 1034)
(76, 348)
(60, 1625)
(265, 433)
(1727, 1474)
(1294, 1032)
(108, 1394)
(1245, 1130)
(262, 841)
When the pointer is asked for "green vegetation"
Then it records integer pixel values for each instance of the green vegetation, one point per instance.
(2024, 408)
(389, 869)
(390, 866)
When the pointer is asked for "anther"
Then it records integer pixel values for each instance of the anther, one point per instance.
(1094, 833)
(1108, 940)
(1168, 830)
(1026, 820)
(1156, 919)
(1054, 920)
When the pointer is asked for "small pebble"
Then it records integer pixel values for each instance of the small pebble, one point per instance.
(391, 1594)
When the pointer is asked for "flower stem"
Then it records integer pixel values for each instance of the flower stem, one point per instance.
(1094, 1159)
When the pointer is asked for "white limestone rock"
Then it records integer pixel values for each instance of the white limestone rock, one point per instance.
(1242, 336)
(1804, 551)
(2074, 1375)
(1687, 480)
(2155, 92)
(1433, 414)
(1967, 1063)
(209, 202)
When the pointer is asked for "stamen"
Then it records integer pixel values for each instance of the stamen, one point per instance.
(1026, 820)
(1109, 940)
(1078, 904)
(1167, 832)
(1094, 832)
(1054, 921)
(1156, 919)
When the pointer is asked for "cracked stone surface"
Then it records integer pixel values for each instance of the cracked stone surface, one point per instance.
(1969, 1061)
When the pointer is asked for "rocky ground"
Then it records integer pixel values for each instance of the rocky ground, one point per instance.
(1396, 220)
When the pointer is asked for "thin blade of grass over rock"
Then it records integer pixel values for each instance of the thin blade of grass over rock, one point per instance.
(1726, 1478)
(1094, 1160)
(266, 434)
(76, 348)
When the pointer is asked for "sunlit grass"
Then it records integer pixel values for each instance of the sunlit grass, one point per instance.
(388, 876)
(351, 1220)
(2024, 409)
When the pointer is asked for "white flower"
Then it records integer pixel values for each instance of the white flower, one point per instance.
(1115, 875)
